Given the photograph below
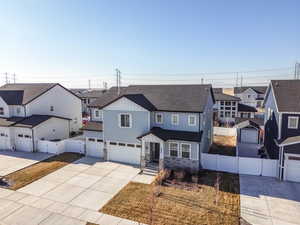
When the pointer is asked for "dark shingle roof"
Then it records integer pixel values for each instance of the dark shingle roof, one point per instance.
(17, 94)
(287, 95)
(180, 98)
(91, 94)
(166, 135)
(34, 120)
(247, 123)
(258, 121)
(225, 97)
(246, 108)
(93, 126)
(257, 89)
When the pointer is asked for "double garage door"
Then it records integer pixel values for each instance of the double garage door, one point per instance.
(249, 135)
(292, 168)
(124, 152)
(4, 141)
(94, 147)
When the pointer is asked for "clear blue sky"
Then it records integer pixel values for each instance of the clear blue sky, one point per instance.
(72, 41)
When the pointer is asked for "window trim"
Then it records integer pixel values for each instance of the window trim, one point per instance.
(130, 120)
(2, 111)
(190, 124)
(190, 150)
(95, 113)
(178, 149)
(177, 115)
(51, 108)
(162, 117)
(293, 117)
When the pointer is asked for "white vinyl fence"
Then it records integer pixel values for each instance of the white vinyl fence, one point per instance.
(57, 147)
(224, 131)
(240, 165)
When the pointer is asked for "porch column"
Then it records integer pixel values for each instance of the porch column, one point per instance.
(161, 156)
(143, 152)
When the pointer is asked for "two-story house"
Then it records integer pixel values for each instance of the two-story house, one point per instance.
(165, 124)
(29, 112)
(251, 95)
(282, 128)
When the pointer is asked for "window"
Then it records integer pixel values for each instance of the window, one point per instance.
(2, 134)
(51, 108)
(97, 113)
(20, 135)
(130, 145)
(233, 114)
(173, 147)
(228, 103)
(1, 111)
(138, 146)
(125, 120)
(222, 102)
(99, 140)
(92, 139)
(27, 136)
(259, 103)
(175, 119)
(122, 144)
(227, 114)
(249, 96)
(159, 118)
(192, 120)
(18, 110)
(293, 122)
(221, 114)
(186, 151)
(113, 143)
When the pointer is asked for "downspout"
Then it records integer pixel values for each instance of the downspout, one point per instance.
(33, 145)
(24, 110)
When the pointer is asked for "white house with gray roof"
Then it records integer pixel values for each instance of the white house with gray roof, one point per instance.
(169, 125)
(29, 112)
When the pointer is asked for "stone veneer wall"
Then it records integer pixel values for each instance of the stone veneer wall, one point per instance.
(181, 163)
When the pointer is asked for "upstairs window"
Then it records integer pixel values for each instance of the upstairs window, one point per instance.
(186, 151)
(159, 118)
(1, 111)
(51, 108)
(18, 110)
(175, 119)
(173, 147)
(97, 113)
(192, 120)
(124, 120)
(293, 122)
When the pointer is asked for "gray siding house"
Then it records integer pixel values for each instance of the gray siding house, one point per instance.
(167, 125)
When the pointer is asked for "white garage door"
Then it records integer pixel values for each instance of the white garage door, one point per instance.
(124, 152)
(24, 143)
(249, 135)
(94, 147)
(292, 168)
(4, 141)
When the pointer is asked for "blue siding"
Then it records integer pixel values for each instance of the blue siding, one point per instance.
(112, 131)
(183, 121)
(285, 131)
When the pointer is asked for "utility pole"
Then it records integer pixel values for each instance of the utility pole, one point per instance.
(118, 76)
(6, 77)
(89, 84)
(105, 85)
(237, 80)
(241, 81)
(202, 81)
(297, 71)
(14, 77)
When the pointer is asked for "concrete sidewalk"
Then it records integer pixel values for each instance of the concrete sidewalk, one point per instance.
(70, 195)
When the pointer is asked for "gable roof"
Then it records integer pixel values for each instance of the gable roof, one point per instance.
(220, 96)
(287, 95)
(23, 93)
(257, 89)
(91, 93)
(247, 123)
(177, 98)
(246, 108)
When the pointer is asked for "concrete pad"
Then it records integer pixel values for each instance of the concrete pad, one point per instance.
(64, 193)
(73, 211)
(7, 207)
(91, 199)
(100, 172)
(91, 216)
(108, 219)
(60, 176)
(83, 180)
(16, 196)
(280, 222)
(56, 219)
(110, 180)
(76, 167)
(58, 207)
(28, 200)
(109, 188)
(39, 187)
(26, 216)
(128, 222)
(121, 175)
(5, 192)
(42, 203)
(143, 178)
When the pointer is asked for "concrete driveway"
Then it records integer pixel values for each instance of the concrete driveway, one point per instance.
(266, 200)
(72, 194)
(13, 161)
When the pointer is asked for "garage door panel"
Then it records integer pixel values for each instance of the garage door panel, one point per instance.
(249, 136)
(94, 148)
(24, 143)
(124, 154)
(292, 169)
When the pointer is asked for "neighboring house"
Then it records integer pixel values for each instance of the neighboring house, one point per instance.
(29, 112)
(226, 106)
(282, 128)
(88, 96)
(251, 95)
(165, 124)
(246, 111)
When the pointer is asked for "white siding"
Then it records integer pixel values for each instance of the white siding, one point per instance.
(124, 104)
(5, 108)
(93, 114)
(65, 105)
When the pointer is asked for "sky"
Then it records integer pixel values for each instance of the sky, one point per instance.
(150, 41)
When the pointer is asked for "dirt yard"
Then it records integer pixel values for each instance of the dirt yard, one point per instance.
(201, 201)
(223, 145)
(36, 171)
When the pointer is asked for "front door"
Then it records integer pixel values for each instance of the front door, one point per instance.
(154, 152)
